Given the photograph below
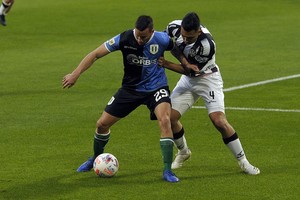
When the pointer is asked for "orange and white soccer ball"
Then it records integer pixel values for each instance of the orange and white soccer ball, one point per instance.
(106, 165)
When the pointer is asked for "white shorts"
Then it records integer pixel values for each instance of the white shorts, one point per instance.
(189, 89)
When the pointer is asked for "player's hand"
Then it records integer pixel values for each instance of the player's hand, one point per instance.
(193, 68)
(162, 62)
(69, 80)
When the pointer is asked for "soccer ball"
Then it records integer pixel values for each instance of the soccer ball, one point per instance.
(106, 165)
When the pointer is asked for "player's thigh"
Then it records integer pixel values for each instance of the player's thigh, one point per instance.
(159, 103)
(211, 91)
(122, 103)
(163, 111)
(183, 99)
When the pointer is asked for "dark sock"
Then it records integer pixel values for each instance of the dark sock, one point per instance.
(100, 140)
(166, 145)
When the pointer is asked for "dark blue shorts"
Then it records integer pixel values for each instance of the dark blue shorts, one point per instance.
(125, 101)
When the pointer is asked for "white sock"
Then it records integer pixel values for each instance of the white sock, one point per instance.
(181, 144)
(1, 9)
(236, 149)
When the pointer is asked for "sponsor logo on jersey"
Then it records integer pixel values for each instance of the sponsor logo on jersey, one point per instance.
(192, 53)
(130, 47)
(139, 60)
(201, 59)
(154, 48)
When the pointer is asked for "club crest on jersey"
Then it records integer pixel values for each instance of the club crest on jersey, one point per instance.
(153, 48)
(192, 53)
(111, 41)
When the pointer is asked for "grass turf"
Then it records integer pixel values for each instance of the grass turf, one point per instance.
(46, 132)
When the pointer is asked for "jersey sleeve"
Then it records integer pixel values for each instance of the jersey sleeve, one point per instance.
(164, 40)
(170, 45)
(113, 44)
(173, 29)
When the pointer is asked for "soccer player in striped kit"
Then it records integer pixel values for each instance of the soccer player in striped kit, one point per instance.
(144, 83)
(4, 9)
(195, 42)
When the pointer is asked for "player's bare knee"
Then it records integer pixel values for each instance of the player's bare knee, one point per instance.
(101, 127)
(165, 120)
(220, 123)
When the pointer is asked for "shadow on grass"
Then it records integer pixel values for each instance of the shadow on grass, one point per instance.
(66, 186)
(75, 185)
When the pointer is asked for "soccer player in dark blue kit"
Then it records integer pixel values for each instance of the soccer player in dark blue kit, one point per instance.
(144, 83)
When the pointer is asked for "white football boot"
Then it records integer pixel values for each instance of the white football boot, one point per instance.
(248, 168)
(181, 156)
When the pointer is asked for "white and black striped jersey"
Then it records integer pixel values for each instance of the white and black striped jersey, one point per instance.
(200, 53)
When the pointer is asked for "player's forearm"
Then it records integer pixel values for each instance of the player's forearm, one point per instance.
(177, 54)
(86, 63)
(187, 67)
(174, 67)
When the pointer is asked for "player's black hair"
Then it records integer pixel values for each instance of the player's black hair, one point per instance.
(144, 22)
(191, 21)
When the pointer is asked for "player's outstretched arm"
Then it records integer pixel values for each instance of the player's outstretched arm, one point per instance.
(70, 79)
(171, 66)
(186, 68)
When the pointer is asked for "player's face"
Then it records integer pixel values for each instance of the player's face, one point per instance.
(190, 37)
(142, 37)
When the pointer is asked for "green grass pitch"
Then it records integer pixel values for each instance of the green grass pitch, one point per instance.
(46, 132)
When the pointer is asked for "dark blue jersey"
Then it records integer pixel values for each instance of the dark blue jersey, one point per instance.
(141, 70)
